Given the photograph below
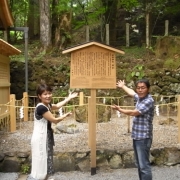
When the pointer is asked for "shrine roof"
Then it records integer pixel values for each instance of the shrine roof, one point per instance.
(7, 49)
(6, 19)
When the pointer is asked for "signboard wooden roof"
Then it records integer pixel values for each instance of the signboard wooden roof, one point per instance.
(7, 49)
(6, 19)
(84, 45)
(93, 66)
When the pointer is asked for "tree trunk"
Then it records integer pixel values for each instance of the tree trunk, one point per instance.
(55, 24)
(64, 29)
(110, 18)
(36, 21)
(33, 18)
(61, 26)
(45, 24)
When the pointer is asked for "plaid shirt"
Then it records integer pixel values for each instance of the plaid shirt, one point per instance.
(142, 125)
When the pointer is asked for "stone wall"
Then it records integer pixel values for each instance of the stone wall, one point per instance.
(80, 161)
(52, 71)
(164, 81)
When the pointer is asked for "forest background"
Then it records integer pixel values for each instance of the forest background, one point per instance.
(53, 22)
(58, 24)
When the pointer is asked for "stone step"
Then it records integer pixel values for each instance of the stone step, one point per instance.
(22, 177)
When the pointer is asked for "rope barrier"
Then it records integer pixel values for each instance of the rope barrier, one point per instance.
(174, 103)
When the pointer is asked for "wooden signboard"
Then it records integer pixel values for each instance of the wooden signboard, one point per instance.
(93, 68)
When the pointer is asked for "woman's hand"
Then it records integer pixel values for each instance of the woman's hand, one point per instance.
(66, 100)
(50, 117)
(61, 118)
(73, 95)
(67, 114)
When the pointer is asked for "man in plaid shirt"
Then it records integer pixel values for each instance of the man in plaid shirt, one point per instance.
(142, 124)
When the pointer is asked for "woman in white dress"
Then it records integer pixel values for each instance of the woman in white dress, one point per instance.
(42, 141)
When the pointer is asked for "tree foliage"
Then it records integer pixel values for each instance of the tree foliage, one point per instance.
(128, 5)
(89, 12)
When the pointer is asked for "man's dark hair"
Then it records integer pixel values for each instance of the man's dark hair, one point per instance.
(145, 81)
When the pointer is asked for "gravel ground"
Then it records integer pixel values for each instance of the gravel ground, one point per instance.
(112, 135)
(8, 176)
(159, 173)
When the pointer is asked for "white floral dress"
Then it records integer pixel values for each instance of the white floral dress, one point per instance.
(42, 148)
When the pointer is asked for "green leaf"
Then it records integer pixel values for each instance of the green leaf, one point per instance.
(137, 74)
(132, 74)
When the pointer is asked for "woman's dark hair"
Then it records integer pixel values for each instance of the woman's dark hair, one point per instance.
(42, 87)
(145, 81)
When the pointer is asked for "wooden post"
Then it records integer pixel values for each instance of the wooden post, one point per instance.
(127, 34)
(81, 98)
(25, 104)
(92, 130)
(128, 118)
(12, 110)
(178, 118)
(89, 121)
(107, 34)
(87, 33)
(5, 36)
(147, 30)
(166, 28)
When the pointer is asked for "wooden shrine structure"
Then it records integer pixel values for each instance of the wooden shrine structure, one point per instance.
(6, 50)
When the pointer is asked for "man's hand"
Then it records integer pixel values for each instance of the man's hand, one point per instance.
(115, 107)
(120, 83)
